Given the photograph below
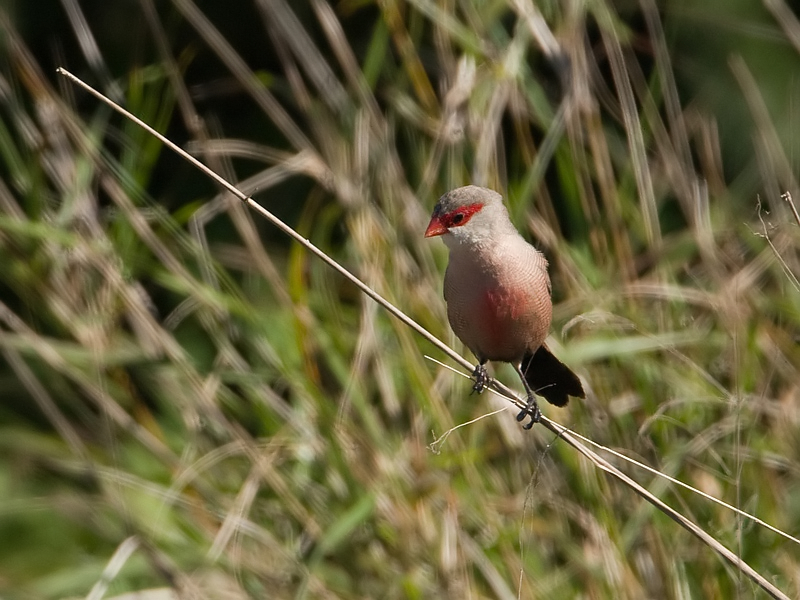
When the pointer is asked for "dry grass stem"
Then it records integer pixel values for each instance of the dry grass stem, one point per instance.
(564, 433)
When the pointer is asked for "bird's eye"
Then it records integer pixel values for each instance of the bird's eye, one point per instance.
(457, 218)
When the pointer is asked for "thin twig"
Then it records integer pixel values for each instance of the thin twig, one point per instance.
(629, 460)
(277, 222)
(786, 269)
(557, 429)
(436, 445)
(787, 196)
(688, 525)
(686, 486)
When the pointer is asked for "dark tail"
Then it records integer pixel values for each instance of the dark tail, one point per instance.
(550, 378)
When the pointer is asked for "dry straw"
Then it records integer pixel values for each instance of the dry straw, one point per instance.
(574, 440)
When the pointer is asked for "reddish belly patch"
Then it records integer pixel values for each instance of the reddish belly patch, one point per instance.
(502, 313)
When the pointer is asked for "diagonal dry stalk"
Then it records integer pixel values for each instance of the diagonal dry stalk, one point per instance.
(557, 429)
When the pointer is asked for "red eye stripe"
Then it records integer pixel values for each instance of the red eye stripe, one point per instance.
(460, 216)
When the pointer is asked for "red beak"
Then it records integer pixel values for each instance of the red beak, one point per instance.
(435, 227)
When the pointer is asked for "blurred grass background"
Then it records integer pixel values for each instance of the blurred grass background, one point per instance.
(182, 386)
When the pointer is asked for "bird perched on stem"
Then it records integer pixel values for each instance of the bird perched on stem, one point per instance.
(498, 295)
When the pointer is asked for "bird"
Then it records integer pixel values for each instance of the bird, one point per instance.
(498, 296)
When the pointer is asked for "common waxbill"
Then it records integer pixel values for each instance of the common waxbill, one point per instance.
(498, 295)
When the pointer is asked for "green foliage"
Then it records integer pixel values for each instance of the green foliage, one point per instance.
(179, 376)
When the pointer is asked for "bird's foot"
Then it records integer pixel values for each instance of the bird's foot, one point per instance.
(532, 411)
(481, 378)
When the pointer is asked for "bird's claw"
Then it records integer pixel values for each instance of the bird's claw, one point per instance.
(532, 410)
(481, 378)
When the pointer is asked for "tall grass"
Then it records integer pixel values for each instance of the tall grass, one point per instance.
(184, 388)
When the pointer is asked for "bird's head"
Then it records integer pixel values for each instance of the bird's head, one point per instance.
(469, 214)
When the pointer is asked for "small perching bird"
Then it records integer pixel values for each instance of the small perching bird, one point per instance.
(498, 295)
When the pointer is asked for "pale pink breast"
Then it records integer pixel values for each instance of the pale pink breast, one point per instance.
(500, 308)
